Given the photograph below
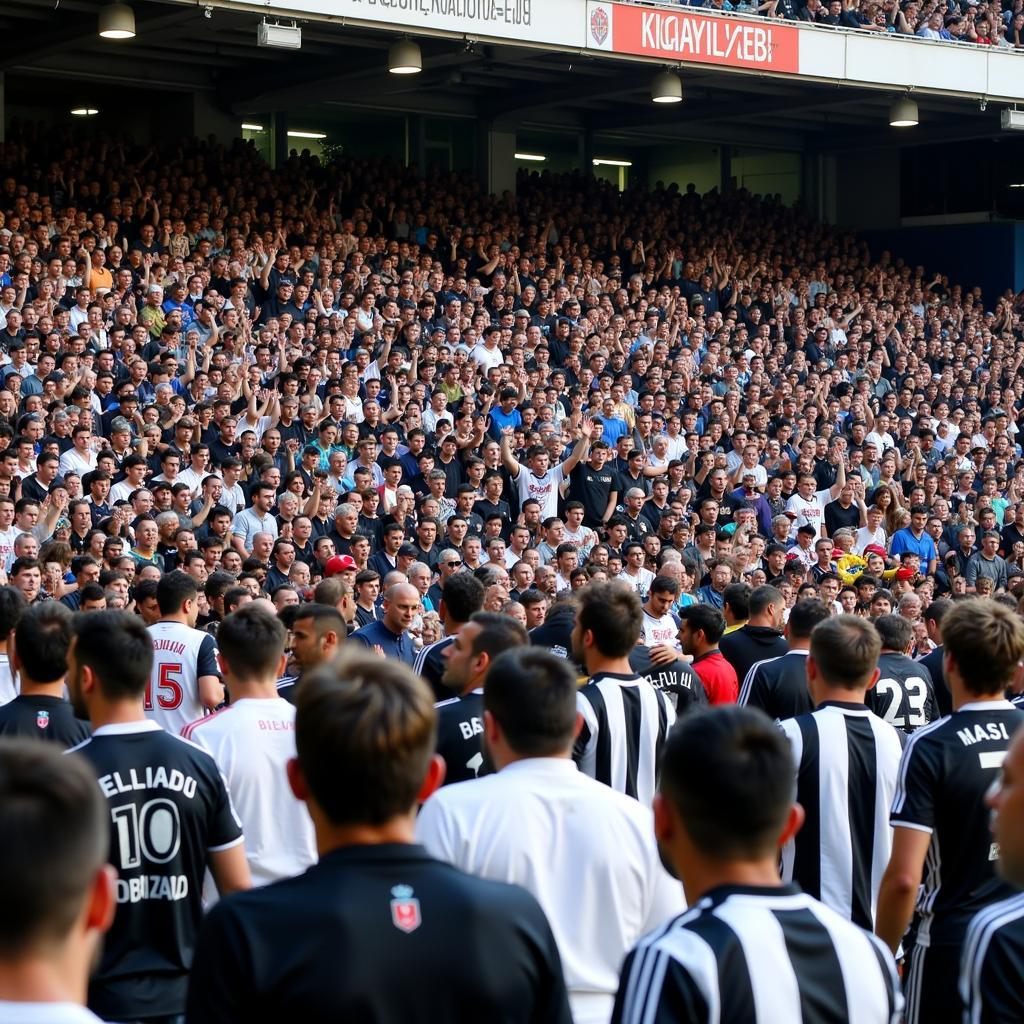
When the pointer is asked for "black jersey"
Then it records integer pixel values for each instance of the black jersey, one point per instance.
(904, 694)
(43, 718)
(460, 729)
(946, 769)
(593, 488)
(676, 680)
(993, 963)
(429, 666)
(367, 935)
(169, 808)
(778, 686)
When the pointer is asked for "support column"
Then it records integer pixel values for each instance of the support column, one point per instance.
(725, 168)
(279, 140)
(586, 151)
(497, 163)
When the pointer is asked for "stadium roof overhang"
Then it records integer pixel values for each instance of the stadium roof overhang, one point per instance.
(55, 54)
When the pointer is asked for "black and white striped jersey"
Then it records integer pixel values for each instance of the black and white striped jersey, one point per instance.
(429, 666)
(992, 964)
(904, 694)
(847, 761)
(778, 686)
(946, 769)
(758, 955)
(625, 724)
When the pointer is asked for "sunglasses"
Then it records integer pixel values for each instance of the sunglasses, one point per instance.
(452, 565)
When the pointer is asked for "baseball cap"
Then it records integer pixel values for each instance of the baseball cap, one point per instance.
(875, 549)
(906, 573)
(407, 550)
(338, 563)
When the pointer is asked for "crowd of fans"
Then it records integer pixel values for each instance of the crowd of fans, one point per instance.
(703, 448)
(960, 21)
(357, 366)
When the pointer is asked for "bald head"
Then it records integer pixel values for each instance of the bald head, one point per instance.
(401, 606)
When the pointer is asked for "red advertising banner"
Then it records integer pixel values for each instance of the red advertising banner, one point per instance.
(685, 35)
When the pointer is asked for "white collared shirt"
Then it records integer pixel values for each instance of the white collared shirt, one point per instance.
(585, 851)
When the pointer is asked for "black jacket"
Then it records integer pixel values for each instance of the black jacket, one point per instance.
(747, 646)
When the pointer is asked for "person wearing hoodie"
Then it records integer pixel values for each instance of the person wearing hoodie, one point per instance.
(761, 637)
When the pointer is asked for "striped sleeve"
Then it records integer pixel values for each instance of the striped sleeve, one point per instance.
(585, 750)
(656, 988)
(991, 964)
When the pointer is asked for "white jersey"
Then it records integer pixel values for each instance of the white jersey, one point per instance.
(541, 488)
(252, 741)
(810, 513)
(7, 539)
(8, 687)
(181, 655)
(660, 631)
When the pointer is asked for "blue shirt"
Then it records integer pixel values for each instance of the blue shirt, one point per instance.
(395, 645)
(904, 540)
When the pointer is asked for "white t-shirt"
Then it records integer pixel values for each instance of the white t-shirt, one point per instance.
(486, 357)
(534, 824)
(181, 655)
(864, 537)
(542, 488)
(252, 741)
(660, 631)
(640, 583)
(8, 687)
(73, 462)
(812, 512)
(7, 546)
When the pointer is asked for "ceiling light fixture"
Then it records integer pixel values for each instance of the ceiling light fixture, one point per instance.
(903, 114)
(603, 162)
(307, 135)
(117, 21)
(531, 157)
(84, 111)
(667, 87)
(405, 58)
(251, 127)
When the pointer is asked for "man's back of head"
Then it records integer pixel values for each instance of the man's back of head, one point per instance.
(58, 896)
(531, 695)
(251, 641)
(844, 650)
(463, 595)
(369, 722)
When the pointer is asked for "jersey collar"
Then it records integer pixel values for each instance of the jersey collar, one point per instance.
(986, 705)
(127, 728)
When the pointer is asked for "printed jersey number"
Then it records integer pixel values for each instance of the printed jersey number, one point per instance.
(151, 832)
(916, 693)
(169, 692)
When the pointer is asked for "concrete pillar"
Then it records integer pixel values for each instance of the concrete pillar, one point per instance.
(586, 151)
(279, 140)
(497, 163)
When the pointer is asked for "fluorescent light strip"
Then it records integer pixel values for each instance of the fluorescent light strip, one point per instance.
(84, 111)
(1019, 184)
(251, 127)
(532, 157)
(307, 135)
(600, 162)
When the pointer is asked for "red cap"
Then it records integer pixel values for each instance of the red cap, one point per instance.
(906, 573)
(338, 563)
(875, 549)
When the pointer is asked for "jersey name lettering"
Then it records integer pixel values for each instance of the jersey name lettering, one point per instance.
(152, 887)
(471, 728)
(980, 733)
(168, 645)
(153, 778)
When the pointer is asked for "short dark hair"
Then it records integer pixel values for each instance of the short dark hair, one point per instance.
(762, 597)
(936, 611)
(251, 640)
(324, 616)
(805, 615)
(12, 607)
(845, 649)
(463, 595)
(372, 723)
(737, 597)
(665, 585)
(54, 822)
(42, 639)
(895, 632)
(706, 618)
(173, 590)
(497, 633)
(116, 646)
(613, 613)
(729, 775)
(532, 695)
(985, 641)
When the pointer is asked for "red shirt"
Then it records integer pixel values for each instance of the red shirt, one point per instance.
(718, 677)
